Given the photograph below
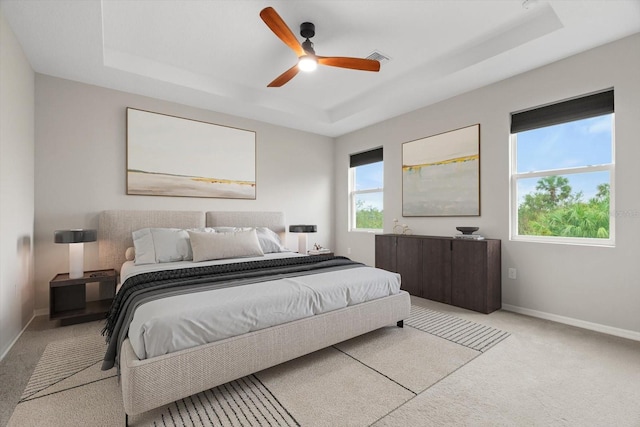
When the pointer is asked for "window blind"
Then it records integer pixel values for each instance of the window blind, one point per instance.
(365, 158)
(584, 107)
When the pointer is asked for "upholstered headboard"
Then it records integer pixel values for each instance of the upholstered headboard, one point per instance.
(115, 227)
(271, 220)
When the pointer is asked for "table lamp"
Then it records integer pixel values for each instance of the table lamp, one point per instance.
(302, 231)
(76, 240)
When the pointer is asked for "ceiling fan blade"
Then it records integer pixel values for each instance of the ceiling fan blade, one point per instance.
(284, 77)
(280, 29)
(353, 63)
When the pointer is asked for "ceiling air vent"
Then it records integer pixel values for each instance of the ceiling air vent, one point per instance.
(380, 57)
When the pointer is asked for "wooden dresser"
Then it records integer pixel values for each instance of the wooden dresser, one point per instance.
(464, 273)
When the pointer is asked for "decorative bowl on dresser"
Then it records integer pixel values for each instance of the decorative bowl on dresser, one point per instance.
(467, 230)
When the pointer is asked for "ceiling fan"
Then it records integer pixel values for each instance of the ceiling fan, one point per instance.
(307, 58)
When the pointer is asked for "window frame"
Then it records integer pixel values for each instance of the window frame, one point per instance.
(353, 193)
(513, 202)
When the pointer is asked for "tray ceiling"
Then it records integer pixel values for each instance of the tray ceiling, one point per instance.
(220, 56)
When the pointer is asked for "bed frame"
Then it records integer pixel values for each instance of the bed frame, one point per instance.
(150, 383)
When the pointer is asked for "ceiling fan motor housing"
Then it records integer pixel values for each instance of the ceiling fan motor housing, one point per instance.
(307, 30)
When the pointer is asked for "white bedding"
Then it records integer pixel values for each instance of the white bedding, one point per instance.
(184, 321)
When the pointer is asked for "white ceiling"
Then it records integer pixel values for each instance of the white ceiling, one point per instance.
(220, 56)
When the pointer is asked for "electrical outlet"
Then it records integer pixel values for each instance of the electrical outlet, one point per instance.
(512, 273)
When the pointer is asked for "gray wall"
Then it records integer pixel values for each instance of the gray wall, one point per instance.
(16, 188)
(80, 160)
(594, 287)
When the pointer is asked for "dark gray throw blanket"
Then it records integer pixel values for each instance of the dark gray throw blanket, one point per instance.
(146, 287)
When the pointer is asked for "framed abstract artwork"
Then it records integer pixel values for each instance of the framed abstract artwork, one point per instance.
(441, 174)
(173, 156)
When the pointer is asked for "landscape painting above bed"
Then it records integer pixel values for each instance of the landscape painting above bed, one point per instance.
(172, 156)
(441, 174)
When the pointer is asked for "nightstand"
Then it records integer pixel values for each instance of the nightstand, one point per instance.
(67, 297)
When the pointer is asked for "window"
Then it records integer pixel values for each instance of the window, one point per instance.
(365, 191)
(562, 172)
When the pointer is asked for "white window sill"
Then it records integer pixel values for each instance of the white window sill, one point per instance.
(604, 243)
(366, 230)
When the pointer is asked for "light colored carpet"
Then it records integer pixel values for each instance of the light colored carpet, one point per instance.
(354, 383)
(577, 389)
(544, 374)
(19, 364)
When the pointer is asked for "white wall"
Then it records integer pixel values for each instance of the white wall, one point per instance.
(80, 162)
(587, 284)
(16, 188)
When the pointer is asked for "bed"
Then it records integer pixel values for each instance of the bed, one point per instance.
(148, 383)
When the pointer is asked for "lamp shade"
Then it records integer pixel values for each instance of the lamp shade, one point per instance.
(303, 228)
(75, 236)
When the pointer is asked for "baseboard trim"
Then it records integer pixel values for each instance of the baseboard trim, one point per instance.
(17, 337)
(618, 332)
(42, 312)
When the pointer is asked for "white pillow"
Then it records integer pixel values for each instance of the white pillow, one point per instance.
(229, 229)
(208, 246)
(157, 245)
(270, 241)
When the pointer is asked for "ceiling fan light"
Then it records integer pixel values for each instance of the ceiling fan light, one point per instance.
(307, 63)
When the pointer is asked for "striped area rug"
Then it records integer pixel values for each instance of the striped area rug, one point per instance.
(460, 331)
(62, 360)
(67, 366)
(244, 402)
